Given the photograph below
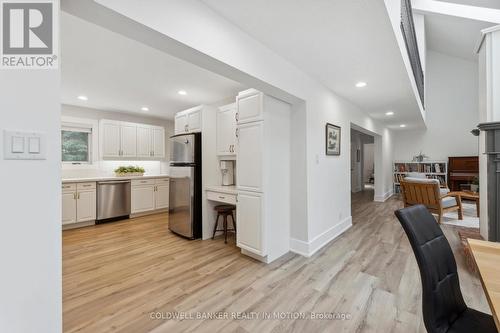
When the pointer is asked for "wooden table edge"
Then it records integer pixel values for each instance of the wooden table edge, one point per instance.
(472, 244)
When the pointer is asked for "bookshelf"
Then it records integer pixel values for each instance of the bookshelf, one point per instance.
(431, 169)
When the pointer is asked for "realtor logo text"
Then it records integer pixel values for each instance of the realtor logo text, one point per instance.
(28, 34)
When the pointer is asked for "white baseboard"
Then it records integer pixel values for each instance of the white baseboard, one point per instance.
(383, 198)
(307, 249)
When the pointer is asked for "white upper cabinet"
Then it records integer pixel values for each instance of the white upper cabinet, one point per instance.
(250, 106)
(110, 137)
(158, 142)
(144, 141)
(188, 121)
(249, 157)
(130, 140)
(194, 121)
(181, 123)
(226, 130)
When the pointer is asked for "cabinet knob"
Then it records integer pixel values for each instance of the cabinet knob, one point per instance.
(237, 116)
(237, 132)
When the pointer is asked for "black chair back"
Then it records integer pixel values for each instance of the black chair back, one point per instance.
(442, 300)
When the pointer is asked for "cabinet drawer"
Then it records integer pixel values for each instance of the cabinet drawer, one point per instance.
(138, 182)
(161, 181)
(86, 186)
(68, 187)
(222, 197)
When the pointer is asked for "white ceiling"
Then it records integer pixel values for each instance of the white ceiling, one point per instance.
(120, 74)
(339, 43)
(454, 36)
(478, 3)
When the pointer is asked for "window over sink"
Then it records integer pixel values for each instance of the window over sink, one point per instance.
(76, 145)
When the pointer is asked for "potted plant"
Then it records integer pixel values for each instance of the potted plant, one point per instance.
(127, 171)
(474, 185)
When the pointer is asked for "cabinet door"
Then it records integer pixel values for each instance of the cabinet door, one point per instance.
(180, 123)
(249, 157)
(250, 231)
(161, 196)
(68, 207)
(86, 206)
(110, 139)
(129, 140)
(250, 107)
(158, 142)
(143, 198)
(194, 121)
(144, 139)
(226, 127)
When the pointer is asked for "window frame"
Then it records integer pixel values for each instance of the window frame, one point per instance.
(83, 123)
(79, 129)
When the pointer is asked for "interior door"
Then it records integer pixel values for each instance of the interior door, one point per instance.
(144, 148)
(249, 157)
(111, 139)
(129, 140)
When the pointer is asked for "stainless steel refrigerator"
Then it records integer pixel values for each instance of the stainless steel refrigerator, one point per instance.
(185, 185)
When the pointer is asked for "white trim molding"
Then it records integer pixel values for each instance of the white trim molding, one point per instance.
(307, 249)
(384, 197)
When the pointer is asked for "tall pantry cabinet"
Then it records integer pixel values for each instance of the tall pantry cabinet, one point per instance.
(263, 175)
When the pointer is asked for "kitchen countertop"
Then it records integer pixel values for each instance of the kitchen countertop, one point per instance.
(100, 179)
(229, 189)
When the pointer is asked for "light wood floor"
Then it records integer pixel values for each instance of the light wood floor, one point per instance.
(116, 275)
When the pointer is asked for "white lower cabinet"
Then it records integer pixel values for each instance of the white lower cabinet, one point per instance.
(143, 198)
(86, 206)
(250, 229)
(149, 195)
(78, 202)
(68, 207)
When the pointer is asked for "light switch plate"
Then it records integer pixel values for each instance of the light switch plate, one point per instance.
(20, 145)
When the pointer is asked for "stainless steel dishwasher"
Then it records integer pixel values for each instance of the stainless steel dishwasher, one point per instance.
(113, 200)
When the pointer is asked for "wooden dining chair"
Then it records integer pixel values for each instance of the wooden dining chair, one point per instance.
(428, 192)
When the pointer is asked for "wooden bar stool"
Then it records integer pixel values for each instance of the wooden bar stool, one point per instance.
(224, 211)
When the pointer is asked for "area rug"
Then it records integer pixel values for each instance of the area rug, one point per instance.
(470, 217)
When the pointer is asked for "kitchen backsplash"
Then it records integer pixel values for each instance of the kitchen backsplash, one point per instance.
(106, 168)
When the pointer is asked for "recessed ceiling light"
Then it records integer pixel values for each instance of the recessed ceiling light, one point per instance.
(182, 92)
(389, 113)
(402, 125)
(144, 108)
(83, 98)
(360, 84)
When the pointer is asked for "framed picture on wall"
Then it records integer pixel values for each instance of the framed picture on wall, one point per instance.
(332, 139)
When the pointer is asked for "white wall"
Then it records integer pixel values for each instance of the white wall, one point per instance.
(452, 112)
(217, 45)
(30, 241)
(106, 168)
(368, 161)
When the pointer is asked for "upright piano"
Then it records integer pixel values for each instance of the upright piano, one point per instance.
(461, 171)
